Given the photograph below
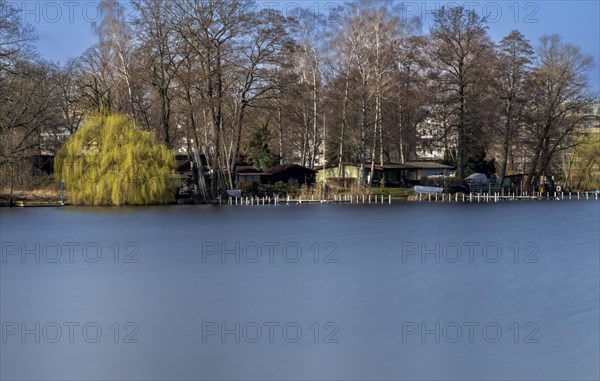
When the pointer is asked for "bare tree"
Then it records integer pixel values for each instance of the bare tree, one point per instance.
(16, 37)
(462, 50)
(30, 116)
(558, 88)
(160, 59)
(515, 57)
(115, 37)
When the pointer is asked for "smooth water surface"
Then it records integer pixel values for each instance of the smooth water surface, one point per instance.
(506, 291)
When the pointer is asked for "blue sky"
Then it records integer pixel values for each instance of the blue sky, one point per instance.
(64, 27)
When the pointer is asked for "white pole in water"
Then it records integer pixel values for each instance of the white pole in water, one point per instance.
(470, 197)
(569, 195)
(578, 195)
(587, 195)
(390, 199)
(429, 197)
(62, 192)
(363, 198)
(436, 197)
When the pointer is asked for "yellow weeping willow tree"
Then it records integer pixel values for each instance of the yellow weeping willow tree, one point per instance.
(109, 161)
(586, 163)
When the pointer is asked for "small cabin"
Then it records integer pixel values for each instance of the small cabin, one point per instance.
(287, 172)
(249, 174)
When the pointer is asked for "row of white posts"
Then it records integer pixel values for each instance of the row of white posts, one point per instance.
(358, 199)
(347, 198)
(495, 197)
(362, 199)
(252, 200)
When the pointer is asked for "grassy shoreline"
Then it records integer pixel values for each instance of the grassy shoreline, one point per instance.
(51, 196)
(35, 196)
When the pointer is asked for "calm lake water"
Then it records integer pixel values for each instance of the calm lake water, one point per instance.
(505, 291)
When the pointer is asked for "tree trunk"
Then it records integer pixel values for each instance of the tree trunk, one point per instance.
(506, 143)
(344, 124)
(315, 120)
(363, 136)
(374, 152)
(280, 125)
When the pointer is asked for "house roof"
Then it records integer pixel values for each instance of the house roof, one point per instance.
(392, 165)
(428, 165)
(183, 166)
(185, 157)
(285, 167)
(248, 170)
(395, 166)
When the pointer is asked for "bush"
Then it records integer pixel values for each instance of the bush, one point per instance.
(109, 161)
(249, 188)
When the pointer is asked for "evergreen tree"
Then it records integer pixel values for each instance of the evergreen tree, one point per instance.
(258, 148)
